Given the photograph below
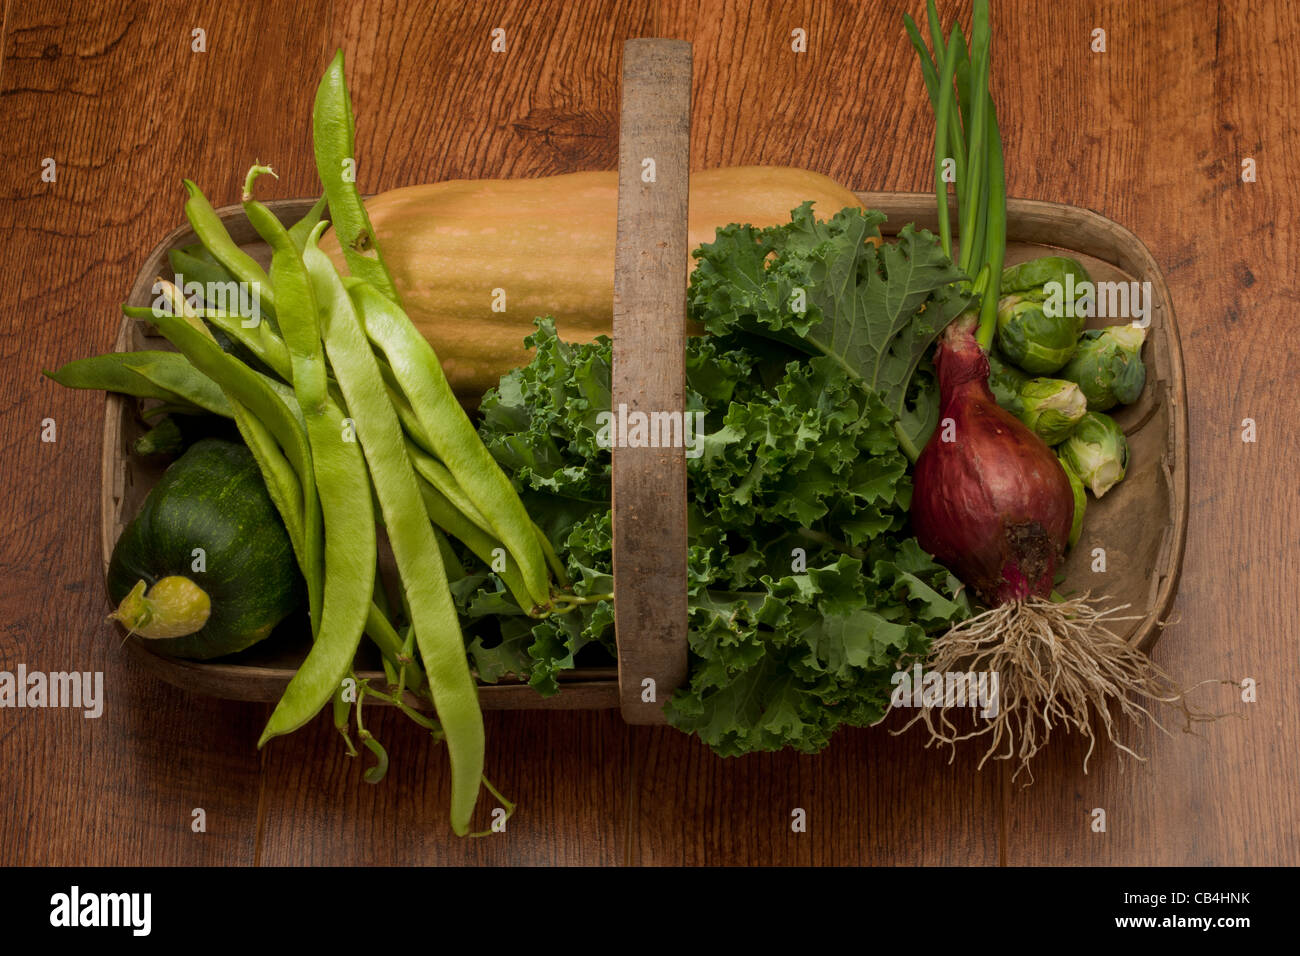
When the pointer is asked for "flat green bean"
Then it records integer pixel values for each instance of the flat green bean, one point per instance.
(341, 482)
(212, 233)
(202, 265)
(286, 493)
(282, 483)
(241, 384)
(301, 229)
(456, 443)
(404, 410)
(262, 343)
(333, 137)
(437, 475)
(197, 250)
(174, 373)
(415, 550)
(450, 560)
(114, 372)
(446, 516)
(206, 272)
(557, 566)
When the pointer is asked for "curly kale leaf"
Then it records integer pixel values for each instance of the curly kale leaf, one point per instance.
(805, 592)
(827, 288)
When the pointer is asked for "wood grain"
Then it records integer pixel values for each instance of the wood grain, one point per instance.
(571, 806)
(1150, 133)
(1224, 94)
(648, 375)
(123, 107)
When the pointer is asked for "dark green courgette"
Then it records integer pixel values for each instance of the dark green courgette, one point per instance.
(206, 568)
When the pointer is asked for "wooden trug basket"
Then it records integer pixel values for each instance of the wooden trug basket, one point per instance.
(1141, 524)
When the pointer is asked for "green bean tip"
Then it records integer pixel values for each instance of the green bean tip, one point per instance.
(313, 237)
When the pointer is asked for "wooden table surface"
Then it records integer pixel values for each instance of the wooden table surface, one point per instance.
(1151, 133)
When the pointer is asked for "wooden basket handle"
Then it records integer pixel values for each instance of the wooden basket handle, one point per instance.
(649, 375)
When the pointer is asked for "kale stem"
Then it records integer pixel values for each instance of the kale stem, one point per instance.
(906, 443)
(821, 537)
(576, 599)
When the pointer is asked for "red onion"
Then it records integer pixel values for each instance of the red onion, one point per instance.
(992, 502)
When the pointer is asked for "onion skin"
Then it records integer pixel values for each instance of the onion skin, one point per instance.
(993, 504)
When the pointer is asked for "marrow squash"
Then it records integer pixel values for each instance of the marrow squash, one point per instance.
(233, 592)
(476, 260)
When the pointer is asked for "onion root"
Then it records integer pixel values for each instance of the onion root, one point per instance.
(1058, 663)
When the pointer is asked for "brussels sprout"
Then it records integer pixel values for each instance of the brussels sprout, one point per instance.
(1097, 451)
(1080, 499)
(1052, 408)
(1029, 337)
(1005, 383)
(1031, 276)
(1108, 366)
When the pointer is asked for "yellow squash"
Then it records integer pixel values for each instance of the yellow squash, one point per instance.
(476, 260)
